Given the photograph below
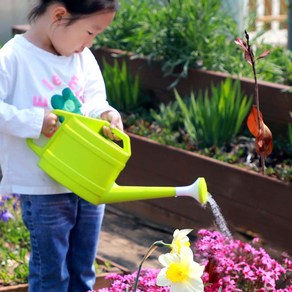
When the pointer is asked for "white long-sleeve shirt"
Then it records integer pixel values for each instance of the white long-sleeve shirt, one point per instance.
(29, 77)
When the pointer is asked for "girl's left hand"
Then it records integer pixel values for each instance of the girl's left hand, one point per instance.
(115, 120)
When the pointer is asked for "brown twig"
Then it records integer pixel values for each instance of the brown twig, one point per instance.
(256, 94)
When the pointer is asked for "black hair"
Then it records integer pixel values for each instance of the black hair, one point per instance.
(78, 8)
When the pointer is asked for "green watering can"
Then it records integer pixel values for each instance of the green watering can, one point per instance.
(82, 159)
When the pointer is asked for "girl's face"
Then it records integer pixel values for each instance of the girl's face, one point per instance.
(67, 40)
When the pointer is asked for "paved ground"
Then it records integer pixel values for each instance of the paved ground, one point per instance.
(125, 239)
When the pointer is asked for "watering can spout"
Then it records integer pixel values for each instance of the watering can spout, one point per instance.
(198, 190)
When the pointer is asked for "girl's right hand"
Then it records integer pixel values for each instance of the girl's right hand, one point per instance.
(50, 123)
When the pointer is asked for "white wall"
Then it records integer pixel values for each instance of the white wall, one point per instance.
(12, 12)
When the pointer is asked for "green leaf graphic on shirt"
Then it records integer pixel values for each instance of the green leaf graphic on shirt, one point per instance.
(66, 102)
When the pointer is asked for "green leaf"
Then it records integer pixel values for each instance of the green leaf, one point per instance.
(215, 118)
(123, 90)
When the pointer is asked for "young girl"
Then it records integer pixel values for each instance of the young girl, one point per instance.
(51, 57)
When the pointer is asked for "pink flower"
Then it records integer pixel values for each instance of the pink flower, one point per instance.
(230, 265)
(237, 266)
(147, 282)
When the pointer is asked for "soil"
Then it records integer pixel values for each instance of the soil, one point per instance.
(241, 151)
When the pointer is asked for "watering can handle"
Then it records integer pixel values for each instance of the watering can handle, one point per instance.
(120, 134)
(37, 149)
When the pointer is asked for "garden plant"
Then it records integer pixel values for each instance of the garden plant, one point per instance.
(15, 246)
(215, 261)
(120, 83)
(256, 125)
(212, 263)
(14, 242)
(212, 50)
(158, 30)
(174, 123)
(224, 108)
(212, 260)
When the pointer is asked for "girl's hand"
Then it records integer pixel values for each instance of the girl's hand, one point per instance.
(50, 123)
(116, 122)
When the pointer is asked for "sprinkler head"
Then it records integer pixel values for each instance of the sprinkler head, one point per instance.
(202, 190)
(198, 190)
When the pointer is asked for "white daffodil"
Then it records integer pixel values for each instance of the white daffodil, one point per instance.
(180, 239)
(181, 272)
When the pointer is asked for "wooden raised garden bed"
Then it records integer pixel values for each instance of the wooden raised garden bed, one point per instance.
(250, 202)
(275, 99)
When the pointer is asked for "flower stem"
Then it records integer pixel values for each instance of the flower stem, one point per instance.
(146, 256)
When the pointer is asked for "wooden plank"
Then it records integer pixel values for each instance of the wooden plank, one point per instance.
(270, 18)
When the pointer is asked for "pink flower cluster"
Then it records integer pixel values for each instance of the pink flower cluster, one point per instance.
(230, 265)
(236, 266)
(147, 282)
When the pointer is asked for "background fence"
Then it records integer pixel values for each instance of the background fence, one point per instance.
(270, 14)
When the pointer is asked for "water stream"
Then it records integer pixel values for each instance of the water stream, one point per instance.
(219, 219)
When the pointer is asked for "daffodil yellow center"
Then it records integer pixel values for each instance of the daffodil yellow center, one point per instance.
(177, 272)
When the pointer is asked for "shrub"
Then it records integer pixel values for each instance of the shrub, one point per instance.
(185, 34)
(180, 33)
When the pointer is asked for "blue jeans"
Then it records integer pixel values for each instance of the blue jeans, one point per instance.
(64, 231)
